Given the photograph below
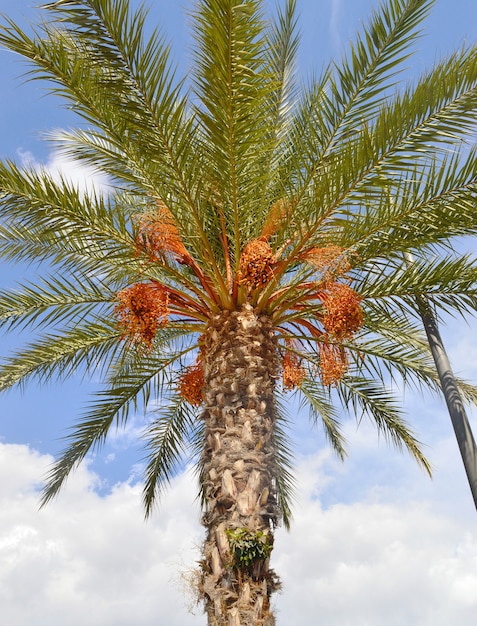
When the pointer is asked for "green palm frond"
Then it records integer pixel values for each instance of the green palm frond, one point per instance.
(349, 94)
(281, 53)
(418, 221)
(123, 86)
(284, 459)
(59, 355)
(367, 397)
(167, 437)
(125, 390)
(395, 355)
(373, 61)
(322, 409)
(450, 283)
(35, 207)
(242, 91)
(468, 391)
(53, 301)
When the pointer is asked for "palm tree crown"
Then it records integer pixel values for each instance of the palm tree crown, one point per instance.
(240, 211)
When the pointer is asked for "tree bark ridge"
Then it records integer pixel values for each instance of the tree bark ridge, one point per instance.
(238, 468)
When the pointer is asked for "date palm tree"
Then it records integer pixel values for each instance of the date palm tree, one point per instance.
(247, 250)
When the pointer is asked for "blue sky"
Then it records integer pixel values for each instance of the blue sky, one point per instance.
(374, 540)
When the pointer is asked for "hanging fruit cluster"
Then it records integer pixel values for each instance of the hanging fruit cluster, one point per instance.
(142, 308)
(327, 317)
(158, 235)
(293, 372)
(190, 384)
(256, 264)
(343, 315)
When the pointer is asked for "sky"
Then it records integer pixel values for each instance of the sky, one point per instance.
(374, 541)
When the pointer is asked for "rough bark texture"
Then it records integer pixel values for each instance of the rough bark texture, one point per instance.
(238, 466)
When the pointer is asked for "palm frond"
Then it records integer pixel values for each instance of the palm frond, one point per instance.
(322, 410)
(52, 301)
(285, 480)
(96, 56)
(167, 436)
(124, 391)
(431, 206)
(35, 206)
(280, 54)
(337, 104)
(232, 85)
(450, 283)
(59, 355)
(373, 60)
(369, 398)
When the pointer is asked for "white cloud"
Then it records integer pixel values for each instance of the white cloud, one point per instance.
(130, 433)
(90, 559)
(87, 559)
(368, 564)
(85, 178)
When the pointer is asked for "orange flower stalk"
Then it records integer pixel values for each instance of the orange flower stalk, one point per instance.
(278, 213)
(190, 384)
(293, 373)
(333, 363)
(141, 310)
(330, 260)
(256, 264)
(158, 235)
(343, 315)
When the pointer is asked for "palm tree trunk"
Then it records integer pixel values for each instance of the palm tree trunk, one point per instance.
(455, 405)
(450, 390)
(238, 469)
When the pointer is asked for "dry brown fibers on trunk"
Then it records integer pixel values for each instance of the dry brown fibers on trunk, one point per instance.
(238, 469)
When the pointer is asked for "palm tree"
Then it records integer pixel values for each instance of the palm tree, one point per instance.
(248, 250)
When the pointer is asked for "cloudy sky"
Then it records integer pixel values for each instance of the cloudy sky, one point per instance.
(374, 541)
